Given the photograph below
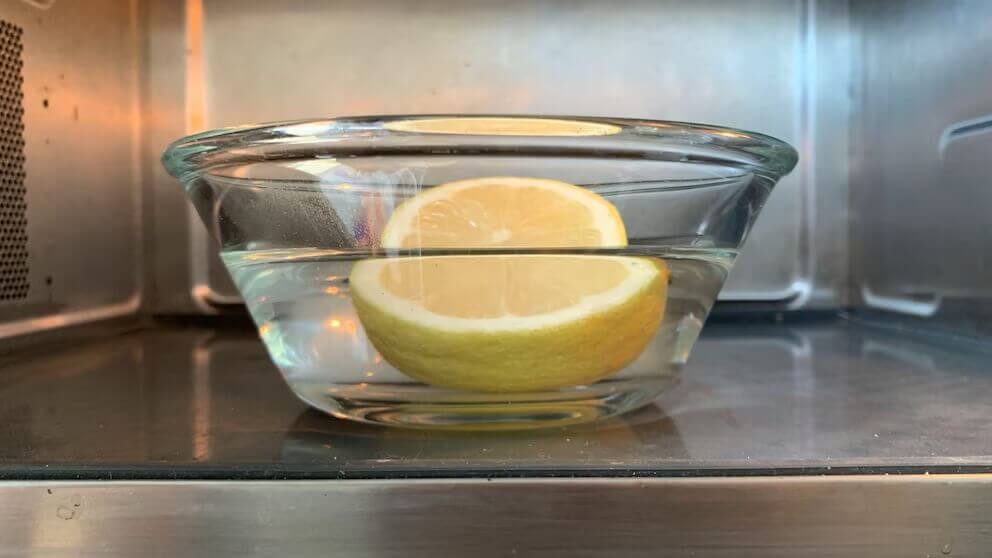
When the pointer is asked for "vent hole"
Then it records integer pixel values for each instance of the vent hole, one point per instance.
(14, 271)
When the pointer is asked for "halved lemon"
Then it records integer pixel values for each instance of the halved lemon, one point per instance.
(515, 322)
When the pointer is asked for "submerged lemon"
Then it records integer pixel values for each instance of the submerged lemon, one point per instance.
(502, 323)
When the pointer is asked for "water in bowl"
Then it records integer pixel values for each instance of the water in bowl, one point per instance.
(301, 302)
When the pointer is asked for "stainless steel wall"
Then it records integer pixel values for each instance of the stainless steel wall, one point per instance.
(83, 190)
(922, 160)
(775, 66)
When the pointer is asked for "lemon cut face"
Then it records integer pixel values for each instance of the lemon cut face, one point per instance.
(514, 322)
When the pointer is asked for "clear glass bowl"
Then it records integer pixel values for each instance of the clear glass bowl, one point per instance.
(299, 209)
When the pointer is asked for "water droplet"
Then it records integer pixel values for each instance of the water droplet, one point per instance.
(946, 548)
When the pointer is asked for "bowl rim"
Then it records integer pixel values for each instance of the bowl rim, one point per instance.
(379, 135)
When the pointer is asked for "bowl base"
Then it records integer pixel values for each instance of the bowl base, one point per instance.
(454, 411)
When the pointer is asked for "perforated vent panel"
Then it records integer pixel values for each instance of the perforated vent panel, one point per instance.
(13, 221)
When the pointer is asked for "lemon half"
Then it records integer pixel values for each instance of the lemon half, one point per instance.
(508, 323)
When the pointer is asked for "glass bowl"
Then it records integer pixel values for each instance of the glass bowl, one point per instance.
(478, 271)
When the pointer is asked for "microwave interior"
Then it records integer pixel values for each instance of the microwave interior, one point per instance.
(839, 390)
